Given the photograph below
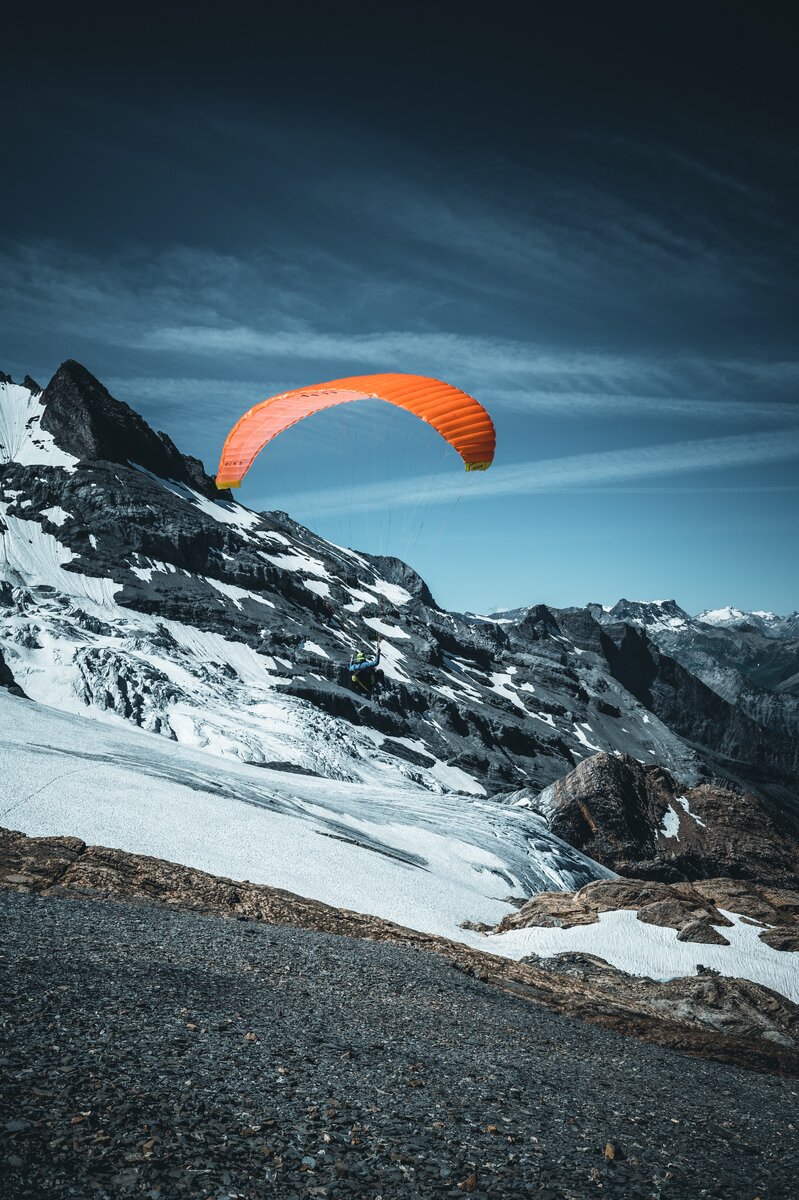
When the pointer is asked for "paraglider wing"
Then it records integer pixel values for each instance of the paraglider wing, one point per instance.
(459, 418)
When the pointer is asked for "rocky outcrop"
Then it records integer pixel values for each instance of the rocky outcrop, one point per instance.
(7, 680)
(86, 421)
(639, 821)
(694, 909)
(729, 1020)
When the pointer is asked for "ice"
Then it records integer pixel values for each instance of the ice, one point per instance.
(452, 777)
(56, 515)
(313, 648)
(424, 860)
(31, 557)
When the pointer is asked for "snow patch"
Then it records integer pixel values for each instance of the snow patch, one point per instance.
(385, 630)
(501, 683)
(683, 802)
(582, 739)
(392, 591)
(56, 515)
(297, 562)
(671, 824)
(227, 512)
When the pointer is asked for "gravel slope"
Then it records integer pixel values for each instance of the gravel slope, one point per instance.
(164, 1054)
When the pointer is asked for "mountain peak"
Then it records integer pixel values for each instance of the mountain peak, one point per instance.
(649, 613)
(767, 623)
(87, 422)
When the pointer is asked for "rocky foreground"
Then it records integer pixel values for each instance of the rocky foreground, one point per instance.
(724, 1019)
(149, 1052)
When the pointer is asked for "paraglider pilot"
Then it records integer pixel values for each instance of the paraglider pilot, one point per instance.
(363, 670)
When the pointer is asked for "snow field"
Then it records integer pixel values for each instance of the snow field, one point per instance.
(426, 861)
(653, 950)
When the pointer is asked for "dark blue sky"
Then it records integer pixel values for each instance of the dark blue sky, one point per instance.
(589, 222)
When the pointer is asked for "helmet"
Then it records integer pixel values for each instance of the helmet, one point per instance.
(360, 656)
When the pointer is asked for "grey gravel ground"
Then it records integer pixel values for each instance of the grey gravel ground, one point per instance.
(163, 1054)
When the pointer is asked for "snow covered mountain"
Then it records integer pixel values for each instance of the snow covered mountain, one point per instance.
(749, 659)
(132, 590)
(207, 646)
(767, 623)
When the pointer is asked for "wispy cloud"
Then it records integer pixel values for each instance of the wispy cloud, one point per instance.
(576, 471)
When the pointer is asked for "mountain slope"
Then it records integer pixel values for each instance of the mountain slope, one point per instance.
(131, 590)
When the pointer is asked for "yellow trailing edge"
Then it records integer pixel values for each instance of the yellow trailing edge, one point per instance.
(483, 466)
(228, 483)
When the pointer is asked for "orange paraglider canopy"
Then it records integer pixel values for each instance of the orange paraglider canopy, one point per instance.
(459, 418)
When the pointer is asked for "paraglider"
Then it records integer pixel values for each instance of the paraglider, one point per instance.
(459, 418)
(363, 671)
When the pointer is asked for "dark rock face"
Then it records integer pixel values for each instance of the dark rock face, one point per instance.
(640, 822)
(86, 421)
(7, 680)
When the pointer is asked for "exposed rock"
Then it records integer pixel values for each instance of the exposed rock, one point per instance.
(729, 1020)
(87, 421)
(782, 938)
(675, 914)
(639, 821)
(7, 679)
(701, 931)
(692, 909)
